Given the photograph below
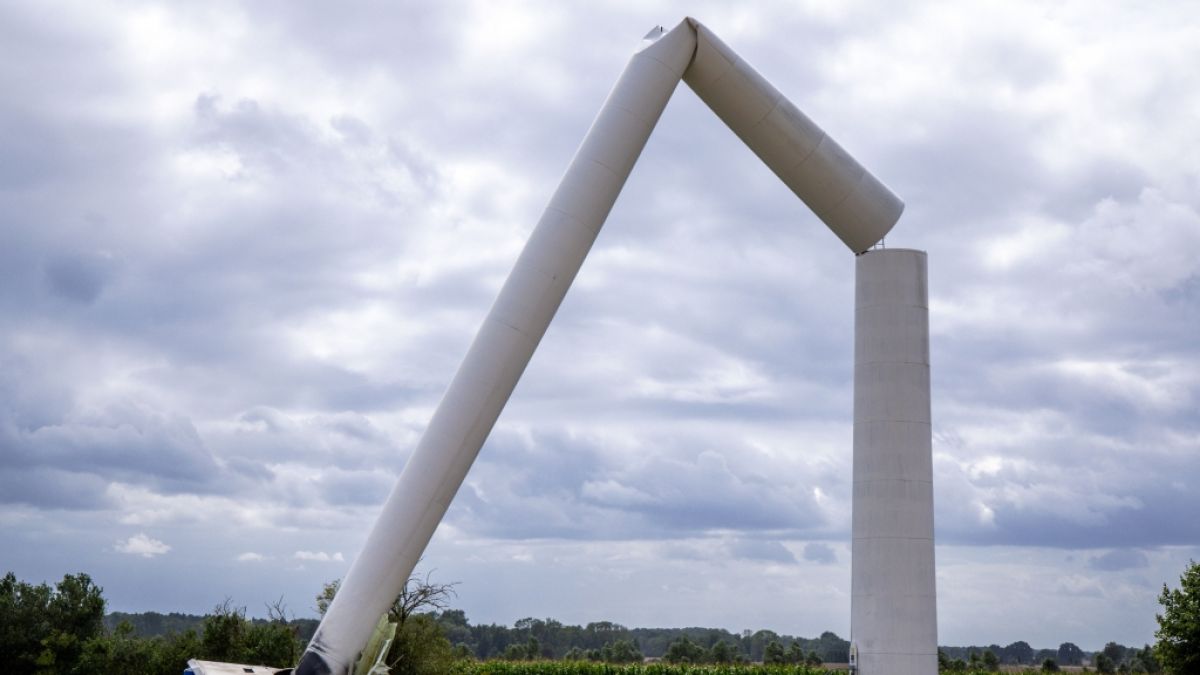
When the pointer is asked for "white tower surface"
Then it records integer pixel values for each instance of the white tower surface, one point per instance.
(893, 615)
(856, 207)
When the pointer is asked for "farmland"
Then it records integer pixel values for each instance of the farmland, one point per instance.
(587, 668)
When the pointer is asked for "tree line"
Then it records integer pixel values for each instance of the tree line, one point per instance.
(151, 624)
(60, 630)
(552, 639)
(64, 630)
(1113, 658)
(441, 635)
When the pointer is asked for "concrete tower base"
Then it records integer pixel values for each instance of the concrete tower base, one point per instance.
(893, 615)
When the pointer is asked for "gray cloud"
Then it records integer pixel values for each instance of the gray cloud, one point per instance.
(359, 487)
(80, 278)
(122, 443)
(765, 551)
(236, 281)
(820, 553)
(53, 488)
(1119, 560)
(573, 486)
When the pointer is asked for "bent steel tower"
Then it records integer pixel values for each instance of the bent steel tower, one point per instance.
(893, 605)
(857, 208)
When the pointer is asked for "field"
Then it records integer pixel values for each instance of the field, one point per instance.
(587, 668)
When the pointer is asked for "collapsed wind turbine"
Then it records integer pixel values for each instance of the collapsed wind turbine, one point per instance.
(856, 206)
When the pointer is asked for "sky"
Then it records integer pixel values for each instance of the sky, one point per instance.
(243, 248)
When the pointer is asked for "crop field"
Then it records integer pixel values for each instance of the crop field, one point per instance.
(588, 668)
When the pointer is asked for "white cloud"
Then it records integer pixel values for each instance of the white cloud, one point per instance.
(250, 556)
(140, 544)
(318, 556)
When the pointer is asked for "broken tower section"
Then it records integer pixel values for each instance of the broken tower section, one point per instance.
(893, 615)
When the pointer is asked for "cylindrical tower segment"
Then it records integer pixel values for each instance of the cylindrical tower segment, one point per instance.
(501, 350)
(893, 613)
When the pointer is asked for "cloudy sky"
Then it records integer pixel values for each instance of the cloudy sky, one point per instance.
(243, 248)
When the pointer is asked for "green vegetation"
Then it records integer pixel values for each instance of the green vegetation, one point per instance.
(62, 630)
(576, 668)
(420, 645)
(608, 642)
(1178, 648)
(44, 629)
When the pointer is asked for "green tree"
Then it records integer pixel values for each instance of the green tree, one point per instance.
(1069, 654)
(813, 660)
(773, 654)
(795, 653)
(44, 629)
(1049, 666)
(533, 649)
(684, 650)
(722, 653)
(622, 651)
(120, 652)
(76, 613)
(575, 654)
(420, 645)
(755, 644)
(831, 648)
(173, 651)
(223, 637)
(420, 648)
(456, 627)
(1019, 652)
(1178, 647)
(325, 597)
(1115, 652)
(516, 652)
(1104, 663)
(991, 662)
(272, 642)
(1143, 660)
(227, 635)
(23, 623)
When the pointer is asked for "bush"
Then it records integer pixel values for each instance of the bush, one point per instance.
(121, 652)
(1178, 648)
(420, 648)
(229, 636)
(45, 630)
(172, 652)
